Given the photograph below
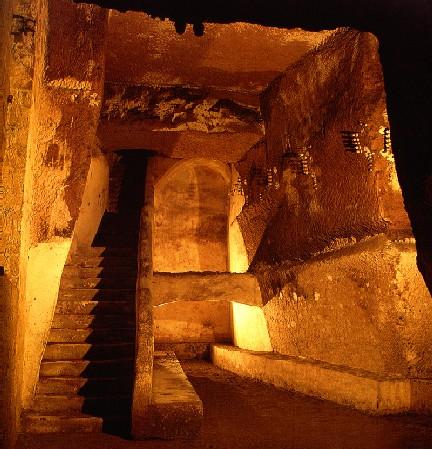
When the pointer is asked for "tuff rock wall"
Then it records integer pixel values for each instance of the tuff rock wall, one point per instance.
(332, 245)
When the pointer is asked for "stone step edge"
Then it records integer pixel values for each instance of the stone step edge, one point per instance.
(95, 262)
(60, 301)
(77, 361)
(79, 415)
(74, 379)
(99, 345)
(46, 424)
(106, 270)
(81, 327)
(78, 277)
(75, 396)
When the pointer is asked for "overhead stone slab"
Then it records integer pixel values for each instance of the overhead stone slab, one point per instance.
(238, 287)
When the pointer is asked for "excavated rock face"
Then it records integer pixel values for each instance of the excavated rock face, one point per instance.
(66, 116)
(337, 193)
(364, 306)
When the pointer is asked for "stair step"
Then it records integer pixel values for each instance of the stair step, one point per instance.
(92, 321)
(89, 335)
(87, 368)
(84, 307)
(87, 351)
(102, 261)
(37, 423)
(79, 423)
(114, 282)
(97, 294)
(71, 271)
(83, 386)
(99, 406)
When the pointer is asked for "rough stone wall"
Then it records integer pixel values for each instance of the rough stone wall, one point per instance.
(178, 109)
(14, 146)
(17, 55)
(4, 301)
(4, 360)
(336, 87)
(5, 24)
(68, 106)
(93, 205)
(364, 306)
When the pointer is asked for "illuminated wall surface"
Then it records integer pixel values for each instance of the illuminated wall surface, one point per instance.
(273, 152)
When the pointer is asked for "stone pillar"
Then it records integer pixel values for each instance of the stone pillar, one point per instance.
(142, 394)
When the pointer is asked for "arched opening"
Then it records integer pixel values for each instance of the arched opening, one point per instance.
(191, 216)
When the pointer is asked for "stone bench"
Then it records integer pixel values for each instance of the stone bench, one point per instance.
(359, 389)
(176, 410)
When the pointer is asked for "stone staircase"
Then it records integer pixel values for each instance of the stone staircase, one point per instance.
(87, 370)
(86, 374)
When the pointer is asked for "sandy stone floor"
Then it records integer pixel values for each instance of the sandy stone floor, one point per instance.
(242, 414)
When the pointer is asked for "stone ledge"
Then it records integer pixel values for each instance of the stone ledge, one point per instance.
(362, 390)
(238, 287)
(176, 410)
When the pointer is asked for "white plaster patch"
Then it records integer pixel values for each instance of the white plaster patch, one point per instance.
(70, 83)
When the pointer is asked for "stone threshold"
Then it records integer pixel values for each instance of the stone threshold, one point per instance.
(363, 390)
